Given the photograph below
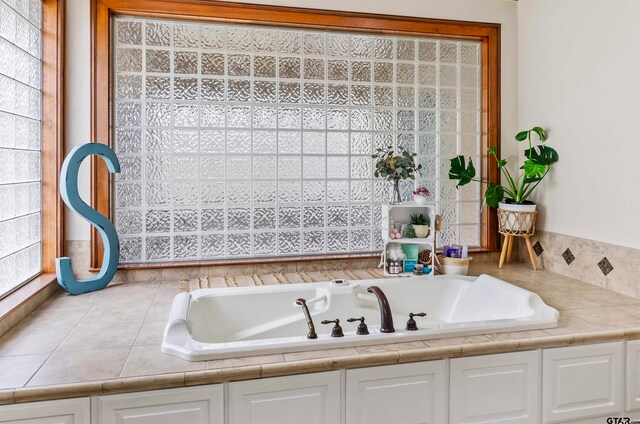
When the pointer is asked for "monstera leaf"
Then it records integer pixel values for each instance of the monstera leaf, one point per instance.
(460, 171)
(523, 135)
(540, 132)
(542, 155)
(537, 166)
(494, 195)
(534, 171)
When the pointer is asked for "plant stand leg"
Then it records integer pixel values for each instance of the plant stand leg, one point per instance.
(505, 245)
(509, 247)
(532, 255)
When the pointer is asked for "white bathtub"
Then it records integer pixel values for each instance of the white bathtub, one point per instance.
(243, 321)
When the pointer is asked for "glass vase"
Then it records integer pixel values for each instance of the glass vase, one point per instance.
(395, 193)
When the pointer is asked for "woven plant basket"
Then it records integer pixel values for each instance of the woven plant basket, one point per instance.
(454, 261)
(512, 223)
(454, 266)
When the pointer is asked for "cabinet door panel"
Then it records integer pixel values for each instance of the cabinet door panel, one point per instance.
(309, 399)
(399, 394)
(582, 381)
(200, 405)
(496, 388)
(633, 375)
(68, 411)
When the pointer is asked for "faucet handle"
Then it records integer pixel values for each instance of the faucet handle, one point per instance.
(336, 331)
(411, 323)
(362, 327)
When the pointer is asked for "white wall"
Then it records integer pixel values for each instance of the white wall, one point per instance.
(579, 74)
(494, 11)
(78, 102)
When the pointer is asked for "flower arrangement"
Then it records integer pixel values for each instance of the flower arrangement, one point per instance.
(420, 195)
(394, 168)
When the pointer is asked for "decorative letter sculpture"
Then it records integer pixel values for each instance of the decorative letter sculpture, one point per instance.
(70, 195)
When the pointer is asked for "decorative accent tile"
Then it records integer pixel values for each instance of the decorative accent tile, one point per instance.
(538, 248)
(568, 257)
(605, 266)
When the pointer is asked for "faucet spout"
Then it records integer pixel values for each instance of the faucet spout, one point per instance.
(386, 319)
(312, 329)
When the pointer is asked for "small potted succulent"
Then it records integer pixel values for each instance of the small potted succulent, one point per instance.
(394, 168)
(537, 164)
(420, 224)
(420, 195)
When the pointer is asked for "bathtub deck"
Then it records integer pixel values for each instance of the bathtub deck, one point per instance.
(109, 341)
(279, 278)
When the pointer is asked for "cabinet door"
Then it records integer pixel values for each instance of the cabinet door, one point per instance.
(68, 411)
(308, 399)
(582, 381)
(197, 405)
(400, 394)
(496, 388)
(633, 375)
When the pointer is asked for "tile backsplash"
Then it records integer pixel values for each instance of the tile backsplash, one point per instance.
(603, 264)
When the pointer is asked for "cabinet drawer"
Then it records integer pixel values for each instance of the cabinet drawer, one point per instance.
(496, 388)
(308, 398)
(197, 405)
(68, 411)
(582, 381)
(400, 394)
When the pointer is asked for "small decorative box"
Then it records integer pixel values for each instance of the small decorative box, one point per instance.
(409, 265)
(410, 251)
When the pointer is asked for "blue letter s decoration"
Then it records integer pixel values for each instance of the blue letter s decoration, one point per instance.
(70, 195)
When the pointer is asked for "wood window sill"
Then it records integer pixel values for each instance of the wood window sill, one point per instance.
(267, 260)
(27, 297)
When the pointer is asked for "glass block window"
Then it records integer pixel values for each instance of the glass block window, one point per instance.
(20, 98)
(249, 141)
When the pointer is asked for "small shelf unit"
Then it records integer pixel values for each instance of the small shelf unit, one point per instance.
(400, 214)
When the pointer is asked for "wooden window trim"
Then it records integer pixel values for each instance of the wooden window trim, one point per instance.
(102, 10)
(53, 48)
(53, 131)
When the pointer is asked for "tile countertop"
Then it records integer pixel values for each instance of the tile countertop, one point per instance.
(109, 341)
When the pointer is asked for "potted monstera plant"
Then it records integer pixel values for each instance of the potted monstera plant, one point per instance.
(538, 161)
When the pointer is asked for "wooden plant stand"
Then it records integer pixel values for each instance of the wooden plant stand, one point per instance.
(516, 224)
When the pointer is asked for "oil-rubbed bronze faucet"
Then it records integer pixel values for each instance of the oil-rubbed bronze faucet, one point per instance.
(336, 331)
(411, 324)
(362, 327)
(386, 319)
(312, 329)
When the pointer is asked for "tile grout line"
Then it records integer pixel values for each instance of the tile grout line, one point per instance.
(63, 340)
(140, 329)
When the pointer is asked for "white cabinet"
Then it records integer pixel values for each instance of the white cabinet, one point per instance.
(308, 398)
(503, 388)
(399, 394)
(577, 384)
(582, 381)
(633, 375)
(68, 411)
(197, 405)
